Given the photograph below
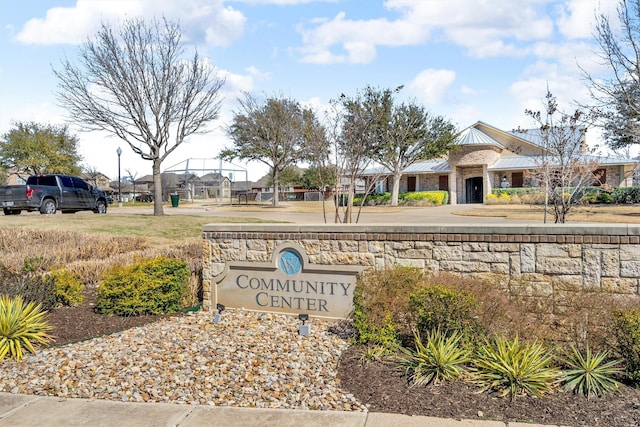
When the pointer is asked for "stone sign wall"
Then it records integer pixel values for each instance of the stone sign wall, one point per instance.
(311, 268)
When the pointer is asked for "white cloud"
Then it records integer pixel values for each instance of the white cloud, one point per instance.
(577, 17)
(488, 28)
(201, 20)
(432, 85)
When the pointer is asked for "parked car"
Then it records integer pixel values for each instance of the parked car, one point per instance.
(147, 198)
(50, 193)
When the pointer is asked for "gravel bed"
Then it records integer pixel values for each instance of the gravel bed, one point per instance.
(248, 360)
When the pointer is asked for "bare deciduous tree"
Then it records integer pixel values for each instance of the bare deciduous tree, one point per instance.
(617, 95)
(565, 164)
(357, 139)
(134, 83)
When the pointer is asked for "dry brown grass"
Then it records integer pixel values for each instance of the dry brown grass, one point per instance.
(90, 245)
(625, 214)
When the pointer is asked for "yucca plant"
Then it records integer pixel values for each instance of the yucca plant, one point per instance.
(21, 325)
(590, 374)
(513, 368)
(440, 358)
(373, 353)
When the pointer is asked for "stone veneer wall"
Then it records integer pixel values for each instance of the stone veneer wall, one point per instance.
(602, 256)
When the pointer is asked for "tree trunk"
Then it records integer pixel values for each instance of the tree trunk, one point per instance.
(157, 189)
(395, 193)
(276, 188)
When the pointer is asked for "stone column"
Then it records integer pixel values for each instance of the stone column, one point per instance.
(487, 182)
(453, 187)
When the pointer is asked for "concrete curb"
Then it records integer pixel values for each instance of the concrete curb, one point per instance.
(18, 410)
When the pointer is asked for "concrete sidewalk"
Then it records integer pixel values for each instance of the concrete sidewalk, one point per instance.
(18, 410)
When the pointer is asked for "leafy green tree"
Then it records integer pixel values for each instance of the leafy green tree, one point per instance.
(277, 133)
(291, 176)
(318, 177)
(412, 134)
(31, 148)
(136, 83)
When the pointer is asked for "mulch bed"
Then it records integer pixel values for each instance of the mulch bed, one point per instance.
(383, 388)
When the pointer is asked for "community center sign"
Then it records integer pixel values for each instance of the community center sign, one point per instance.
(288, 284)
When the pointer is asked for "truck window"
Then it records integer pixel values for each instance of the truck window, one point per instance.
(66, 181)
(42, 180)
(78, 183)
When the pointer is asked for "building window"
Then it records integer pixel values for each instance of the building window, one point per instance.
(599, 177)
(443, 182)
(411, 183)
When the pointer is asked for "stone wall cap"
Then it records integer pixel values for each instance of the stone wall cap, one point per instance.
(600, 229)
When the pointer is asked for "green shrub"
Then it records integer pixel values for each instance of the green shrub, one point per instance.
(32, 287)
(431, 197)
(443, 308)
(441, 358)
(22, 324)
(625, 325)
(513, 368)
(381, 305)
(150, 286)
(626, 195)
(69, 288)
(372, 199)
(590, 374)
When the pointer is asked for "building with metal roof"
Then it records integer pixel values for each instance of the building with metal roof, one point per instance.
(487, 158)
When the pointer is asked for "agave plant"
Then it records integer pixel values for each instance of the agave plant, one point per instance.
(513, 367)
(21, 325)
(589, 374)
(441, 358)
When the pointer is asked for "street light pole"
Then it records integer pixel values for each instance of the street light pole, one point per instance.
(119, 151)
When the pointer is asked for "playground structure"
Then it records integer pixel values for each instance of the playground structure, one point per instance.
(207, 178)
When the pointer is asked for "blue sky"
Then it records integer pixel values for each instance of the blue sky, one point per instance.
(467, 60)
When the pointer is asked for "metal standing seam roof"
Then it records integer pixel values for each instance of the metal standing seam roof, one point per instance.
(472, 136)
(532, 162)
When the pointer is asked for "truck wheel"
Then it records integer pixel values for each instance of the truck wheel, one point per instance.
(48, 207)
(11, 212)
(101, 207)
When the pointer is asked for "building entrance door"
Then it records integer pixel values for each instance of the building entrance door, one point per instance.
(474, 190)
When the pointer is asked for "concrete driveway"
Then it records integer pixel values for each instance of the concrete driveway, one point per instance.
(449, 214)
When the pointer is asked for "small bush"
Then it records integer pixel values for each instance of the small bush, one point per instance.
(590, 374)
(441, 358)
(533, 198)
(626, 195)
(32, 287)
(22, 324)
(69, 288)
(150, 286)
(625, 325)
(491, 199)
(504, 199)
(420, 197)
(442, 308)
(381, 305)
(513, 368)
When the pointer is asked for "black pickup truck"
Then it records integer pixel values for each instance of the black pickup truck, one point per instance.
(50, 193)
